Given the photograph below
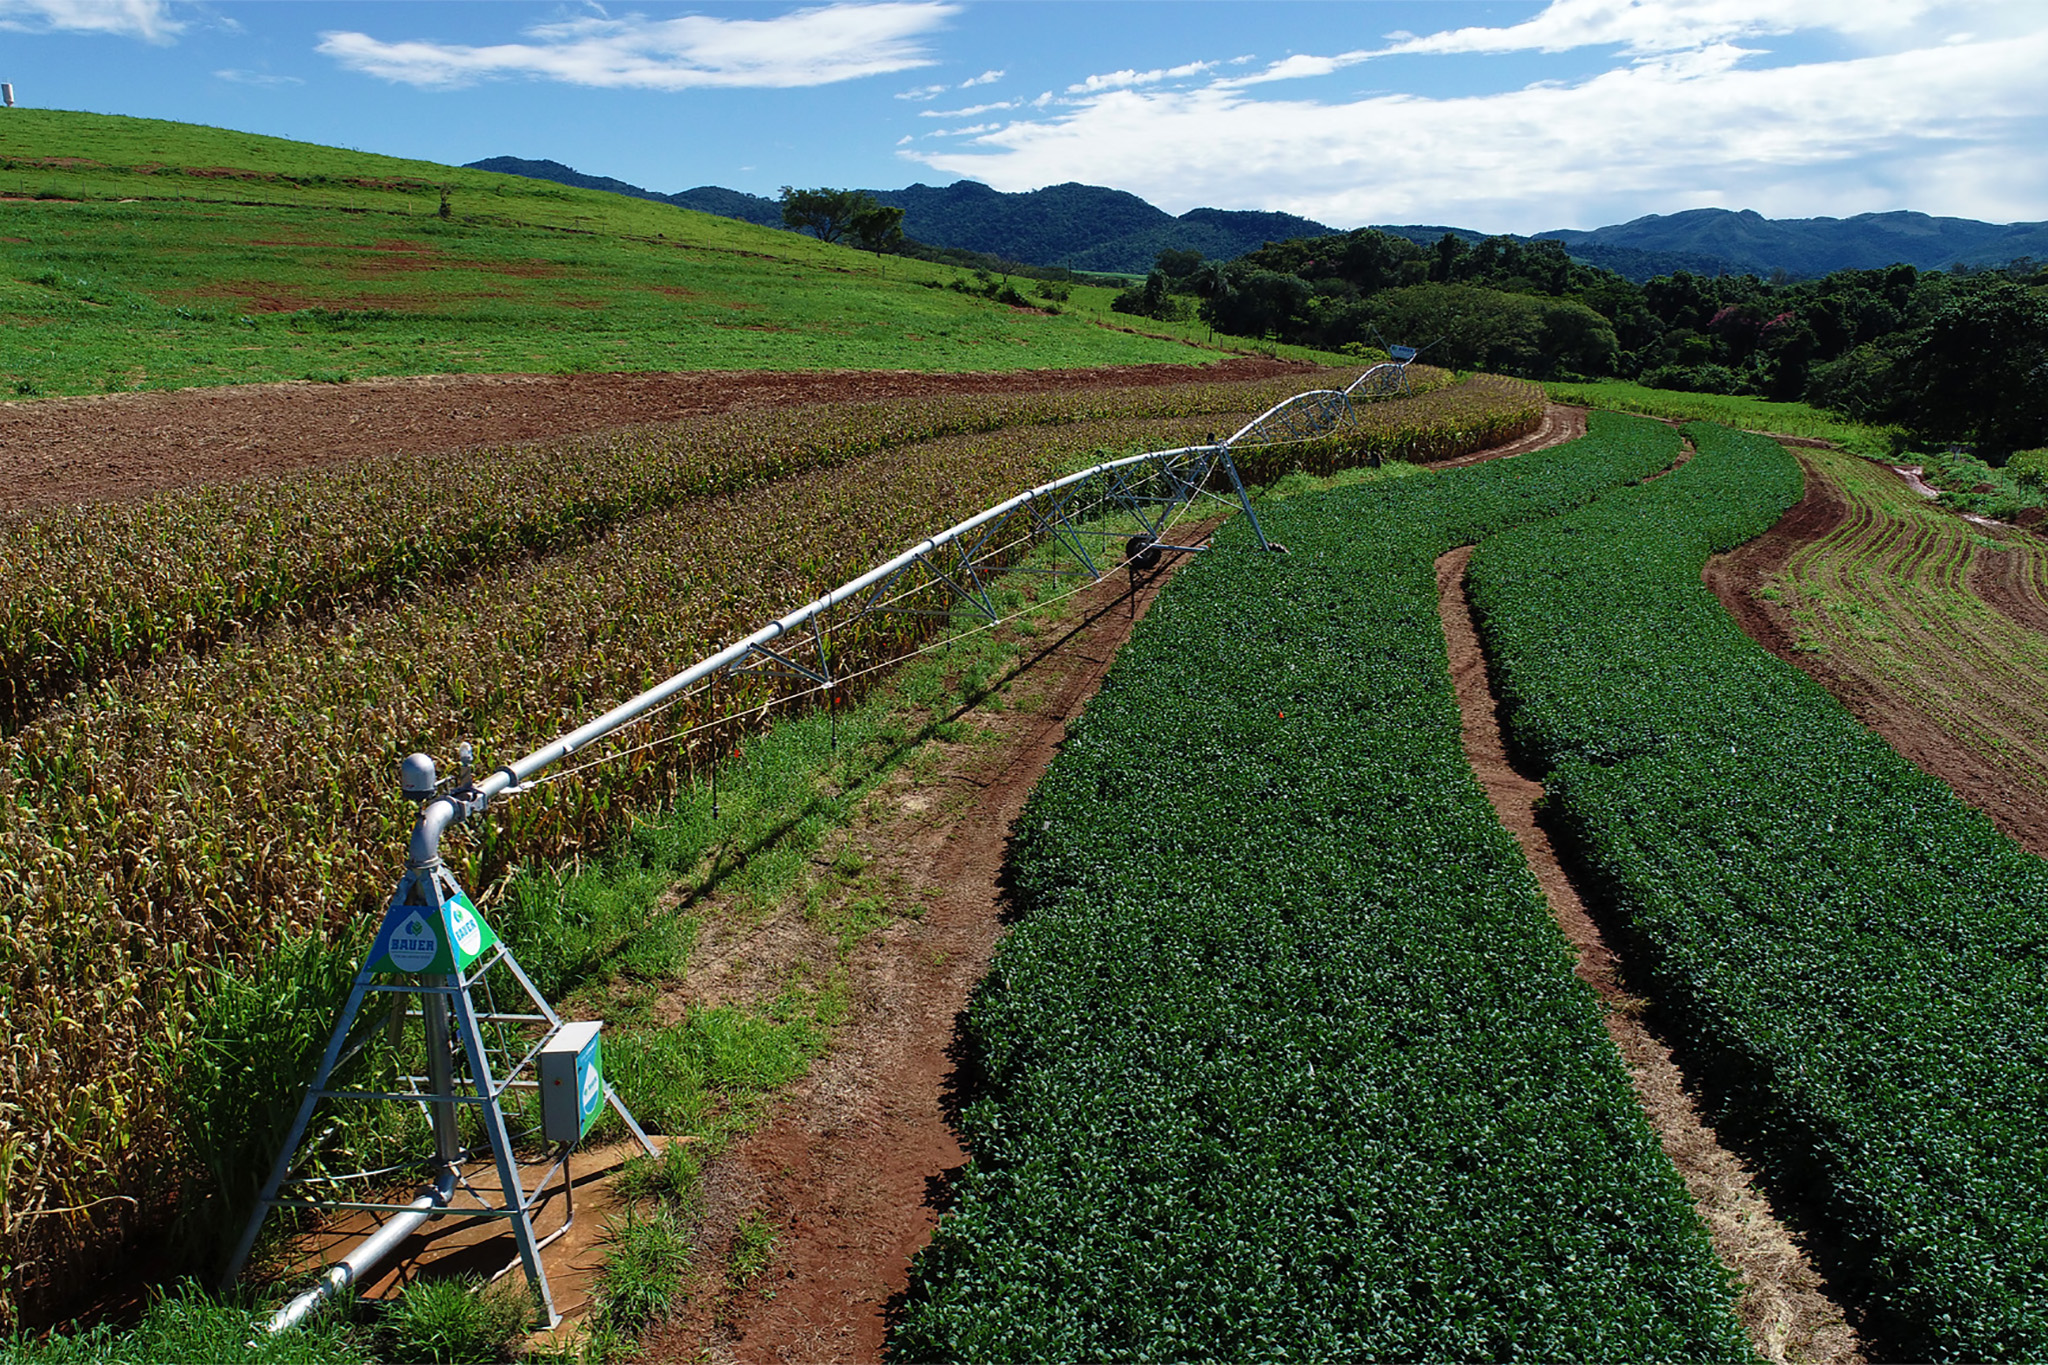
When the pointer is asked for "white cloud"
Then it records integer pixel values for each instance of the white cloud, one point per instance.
(1948, 128)
(262, 78)
(1646, 27)
(1639, 28)
(806, 47)
(924, 92)
(968, 131)
(969, 112)
(985, 78)
(1119, 80)
(149, 20)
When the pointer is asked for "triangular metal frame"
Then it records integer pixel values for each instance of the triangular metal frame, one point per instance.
(434, 976)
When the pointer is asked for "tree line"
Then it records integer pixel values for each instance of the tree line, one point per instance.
(1951, 356)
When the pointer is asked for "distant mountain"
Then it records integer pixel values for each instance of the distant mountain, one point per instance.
(561, 175)
(1086, 227)
(749, 208)
(1749, 242)
(1042, 227)
(1219, 234)
(1083, 226)
(1092, 228)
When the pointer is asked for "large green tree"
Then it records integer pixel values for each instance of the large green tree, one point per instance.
(827, 214)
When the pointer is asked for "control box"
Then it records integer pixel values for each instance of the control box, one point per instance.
(571, 1082)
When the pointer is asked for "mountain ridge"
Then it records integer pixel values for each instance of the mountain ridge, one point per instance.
(1095, 228)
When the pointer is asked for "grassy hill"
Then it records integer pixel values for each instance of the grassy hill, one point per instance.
(138, 253)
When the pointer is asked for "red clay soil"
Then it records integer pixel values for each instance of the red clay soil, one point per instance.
(1785, 1303)
(2000, 577)
(58, 451)
(1560, 424)
(852, 1172)
(1736, 579)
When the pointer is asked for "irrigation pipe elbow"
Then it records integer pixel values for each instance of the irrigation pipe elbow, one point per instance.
(372, 1249)
(425, 849)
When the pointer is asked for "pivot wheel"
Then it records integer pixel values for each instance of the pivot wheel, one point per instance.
(1142, 554)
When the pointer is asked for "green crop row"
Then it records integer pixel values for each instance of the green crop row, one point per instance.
(199, 810)
(1287, 1060)
(1861, 959)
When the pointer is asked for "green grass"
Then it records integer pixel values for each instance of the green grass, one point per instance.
(460, 1321)
(1746, 414)
(189, 1326)
(145, 254)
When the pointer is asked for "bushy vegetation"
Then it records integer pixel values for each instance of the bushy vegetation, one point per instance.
(1287, 1060)
(1949, 356)
(1855, 954)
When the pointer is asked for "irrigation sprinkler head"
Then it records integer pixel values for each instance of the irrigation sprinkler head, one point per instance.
(465, 759)
(416, 778)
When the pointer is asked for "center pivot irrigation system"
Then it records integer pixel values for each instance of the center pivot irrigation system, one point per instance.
(485, 1037)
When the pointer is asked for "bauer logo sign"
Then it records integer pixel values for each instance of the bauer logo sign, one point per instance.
(430, 940)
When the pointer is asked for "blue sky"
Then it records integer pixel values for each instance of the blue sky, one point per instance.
(1496, 116)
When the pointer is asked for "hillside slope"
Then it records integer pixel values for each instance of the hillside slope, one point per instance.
(140, 253)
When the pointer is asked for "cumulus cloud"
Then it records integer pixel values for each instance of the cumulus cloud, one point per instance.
(985, 78)
(1948, 126)
(806, 47)
(149, 20)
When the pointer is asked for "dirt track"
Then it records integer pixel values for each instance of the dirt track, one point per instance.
(854, 1169)
(57, 451)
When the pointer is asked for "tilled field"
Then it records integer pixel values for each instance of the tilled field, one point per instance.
(1928, 627)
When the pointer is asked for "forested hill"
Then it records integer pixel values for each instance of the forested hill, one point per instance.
(1085, 227)
(1746, 242)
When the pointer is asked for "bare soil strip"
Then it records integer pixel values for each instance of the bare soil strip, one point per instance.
(1785, 1304)
(853, 1172)
(59, 451)
(1737, 578)
(2006, 579)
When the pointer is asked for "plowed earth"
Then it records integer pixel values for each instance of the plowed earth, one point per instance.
(57, 451)
(1908, 710)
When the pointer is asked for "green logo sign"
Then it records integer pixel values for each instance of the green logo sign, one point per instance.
(431, 940)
